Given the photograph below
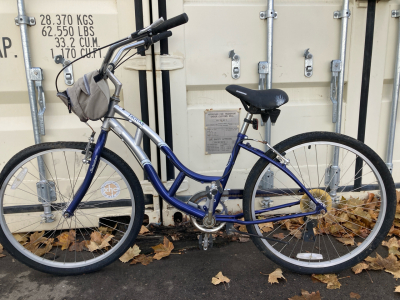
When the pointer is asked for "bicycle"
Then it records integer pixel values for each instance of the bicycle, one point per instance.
(304, 206)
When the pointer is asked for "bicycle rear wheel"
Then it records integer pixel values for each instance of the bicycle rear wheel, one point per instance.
(361, 203)
(105, 223)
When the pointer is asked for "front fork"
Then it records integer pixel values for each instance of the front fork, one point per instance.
(93, 165)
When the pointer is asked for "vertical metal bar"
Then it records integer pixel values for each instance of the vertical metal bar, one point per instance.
(343, 45)
(31, 85)
(166, 90)
(395, 100)
(366, 76)
(144, 102)
(270, 39)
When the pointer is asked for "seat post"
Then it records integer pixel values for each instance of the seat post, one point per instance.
(245, 125)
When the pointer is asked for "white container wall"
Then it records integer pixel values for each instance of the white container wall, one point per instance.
(200, 69)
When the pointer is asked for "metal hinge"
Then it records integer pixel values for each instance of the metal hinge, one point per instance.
(395, 13)
(235, 64)
(270, 13)
(36, 75)
(68, 72)
(342, 14)
(308, 63)
(31, 21)
(336, 67)
(263, 67)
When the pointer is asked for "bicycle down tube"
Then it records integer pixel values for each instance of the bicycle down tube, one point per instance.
(169, 196)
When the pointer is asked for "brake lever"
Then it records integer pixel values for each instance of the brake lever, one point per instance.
(151, 26)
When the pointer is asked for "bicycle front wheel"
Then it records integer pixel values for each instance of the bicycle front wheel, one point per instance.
(345, 175)
(38, 183)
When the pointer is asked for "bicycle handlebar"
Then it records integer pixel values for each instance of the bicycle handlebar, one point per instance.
(171, 23)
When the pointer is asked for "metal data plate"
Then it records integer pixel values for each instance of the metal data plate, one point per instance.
(221, 129)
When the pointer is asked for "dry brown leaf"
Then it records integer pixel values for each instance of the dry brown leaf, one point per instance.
(266, 227)
(330, 279)
(105, 241)
(296, 233)
(175, 237)
(22, 239)
(346, 241)
(143, 230)
(244, 239)
(279, 236)
(243, 228)
(378, 263)
(307, 296)
(63, 241)
(96, 237)
(397, 290)
(275, 275)
(358, 268)
(131, 253)
(34, 241)
(355, 295)
(219, 278)
(44, 248)
(393, 245)
(143, 259)
(91, 246)
(396, 274)
(78, 247)
(1, 251)
(163, 250)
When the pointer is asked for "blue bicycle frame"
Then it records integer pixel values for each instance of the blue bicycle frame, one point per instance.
(133, 143)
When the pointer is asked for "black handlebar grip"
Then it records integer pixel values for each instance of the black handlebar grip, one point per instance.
(171, 23)
(161, 36)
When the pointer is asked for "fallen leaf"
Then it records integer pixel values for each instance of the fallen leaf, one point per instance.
(355, 295)
(175, 237)
(307, 296)
(42, 250)
(279, 236)
(163, 250)
(358, 268)
(330, 279)
(378, 263)
(22, 239)
(1, 251)
(64, 240)
(96, 237)
(105, 241)
(266, 227)
(397, 290)
(275, 275)
(77, 246)
(393, 245)
(243, 228)
(346, 241)
(107, 230)
(219, 278)
(143, 230)
(296, 233)
(244, 239)
(91, 246)
(143, 259)
(131, 253)
(35, 240)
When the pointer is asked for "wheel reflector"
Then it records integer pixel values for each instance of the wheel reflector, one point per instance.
(312, 256)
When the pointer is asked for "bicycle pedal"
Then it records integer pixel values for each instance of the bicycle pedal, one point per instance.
(206, 242)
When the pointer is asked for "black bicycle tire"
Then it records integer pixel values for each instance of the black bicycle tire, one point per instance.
(283, 146)
(121, 165)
